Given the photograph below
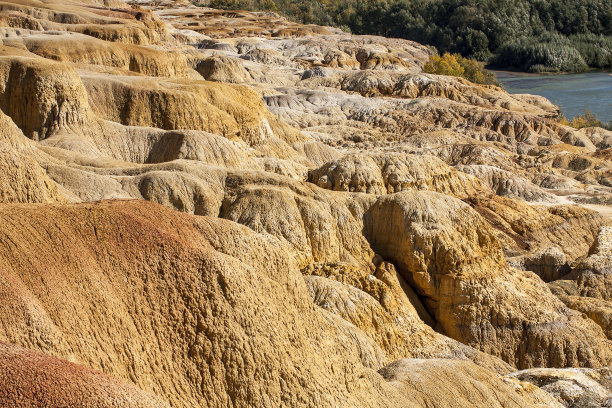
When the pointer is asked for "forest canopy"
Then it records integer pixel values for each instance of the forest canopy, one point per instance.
(528, 35)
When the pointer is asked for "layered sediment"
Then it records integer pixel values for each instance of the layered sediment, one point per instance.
(225, 208)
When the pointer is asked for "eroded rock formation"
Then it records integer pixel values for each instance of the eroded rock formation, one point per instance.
(226, 208)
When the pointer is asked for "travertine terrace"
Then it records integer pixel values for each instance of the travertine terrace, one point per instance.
(207, 208)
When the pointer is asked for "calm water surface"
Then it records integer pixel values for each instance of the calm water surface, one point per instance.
(573, 93)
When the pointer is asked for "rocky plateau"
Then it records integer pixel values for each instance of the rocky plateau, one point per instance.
(211, 208)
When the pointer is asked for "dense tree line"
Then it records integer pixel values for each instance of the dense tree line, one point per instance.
(530, 35)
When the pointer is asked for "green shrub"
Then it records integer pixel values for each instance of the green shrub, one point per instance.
(456, 65)
(447, 64)
(589, 119)
(549, 53)
(595, 49)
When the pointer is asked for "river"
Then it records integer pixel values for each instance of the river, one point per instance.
(572, 92)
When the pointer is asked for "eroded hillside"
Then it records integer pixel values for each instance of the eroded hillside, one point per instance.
(323, 223)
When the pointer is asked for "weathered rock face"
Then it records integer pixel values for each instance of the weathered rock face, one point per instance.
(363, 223)
(523, 228)
(389, 173)
(385, 307)
(38, 380)
(223, 69)
(84, 49)
(572, 387)
(598, 310)
(594, 274)
(449, 254)
(549, 264)
(41, 96)
(196, 286)
(506, 184)
(161, 278)
(447, 235)
(587, 287)
(22, 179)
(231, 111)
(412, 376)
(308, 219)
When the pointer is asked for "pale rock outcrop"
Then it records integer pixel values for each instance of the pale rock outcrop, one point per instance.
(320, 227)
(183, 192)
(267, 56)
(223, 69)
(317, 152)
(524, 228)
(140, 32)
(41, 96)
(149, 145)
(549, 264)
(586, 288)
(389, 83)
(465, 385)
(506, 184)
(388, 173)
(601, 138)
(594, 274)
(84, 49)
(598, 310)
(573, 387)
(370, 353)
(228, 110)
(23, 180)
(355, 173)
